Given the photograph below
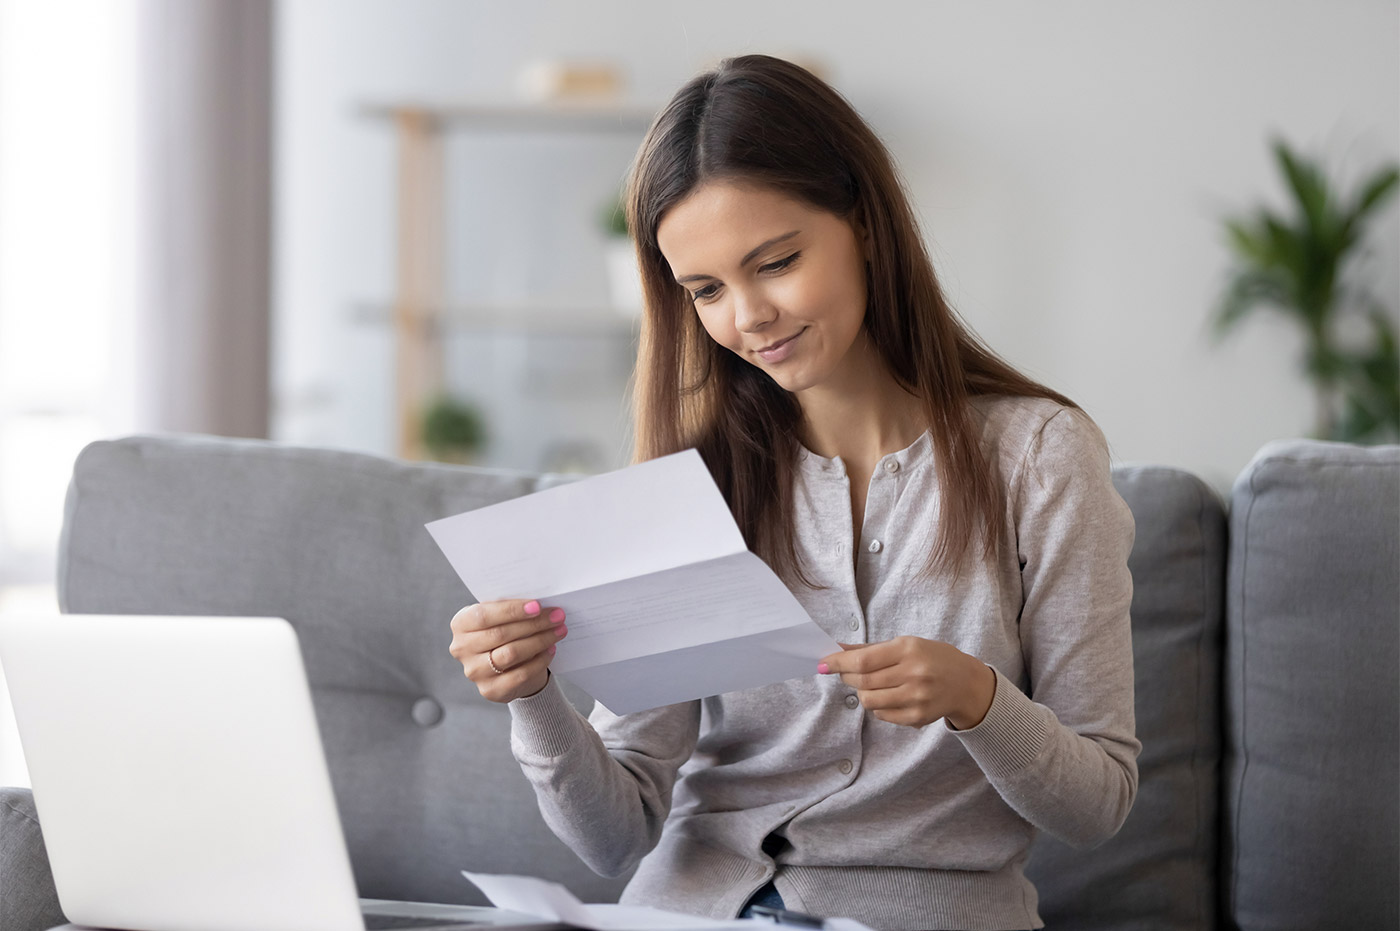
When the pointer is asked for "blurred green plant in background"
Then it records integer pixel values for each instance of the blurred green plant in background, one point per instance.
(453, 430)
(1295, 265)
(612, 217)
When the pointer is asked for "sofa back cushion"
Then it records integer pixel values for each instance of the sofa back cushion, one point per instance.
(333, 542)
(1313, 660)
(1159, 871)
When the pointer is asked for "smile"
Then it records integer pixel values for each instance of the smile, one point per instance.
(781, 349)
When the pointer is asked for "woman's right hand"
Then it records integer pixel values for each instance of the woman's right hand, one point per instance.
(505, 646)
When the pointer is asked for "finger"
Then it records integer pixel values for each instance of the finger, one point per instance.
(492, 637)
(884, 678)
(526, 679)
(862, 658)
(885, 700)
(470, 643)
(826, 661)
(485, 614)
(517, 652)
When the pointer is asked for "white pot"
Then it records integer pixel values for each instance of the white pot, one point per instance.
(624, 278)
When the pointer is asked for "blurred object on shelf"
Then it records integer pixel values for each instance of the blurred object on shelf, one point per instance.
(624, 276)
(1297, 265)
(573, 457)
(454, 430)
(570, 81)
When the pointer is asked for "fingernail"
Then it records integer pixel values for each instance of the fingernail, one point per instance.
(532, 608)
(823, 668)
(556, 615)
(553, 649)
(560, 631)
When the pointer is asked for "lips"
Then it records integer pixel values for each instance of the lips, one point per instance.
(777, 352)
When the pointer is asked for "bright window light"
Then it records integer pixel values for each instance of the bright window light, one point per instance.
(67, 253)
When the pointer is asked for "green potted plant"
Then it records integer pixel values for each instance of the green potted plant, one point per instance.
(1296, 265)
(624, 278)
(454, 430)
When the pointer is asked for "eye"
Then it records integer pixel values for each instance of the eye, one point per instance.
(705, 293)
(780, 264)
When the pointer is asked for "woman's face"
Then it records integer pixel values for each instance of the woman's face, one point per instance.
(777, 282)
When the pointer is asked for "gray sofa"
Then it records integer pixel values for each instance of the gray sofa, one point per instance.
(1266, 639)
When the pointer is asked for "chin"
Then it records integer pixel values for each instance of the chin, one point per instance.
(791, 382)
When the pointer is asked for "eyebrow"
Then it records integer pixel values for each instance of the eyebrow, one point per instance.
(752, 254)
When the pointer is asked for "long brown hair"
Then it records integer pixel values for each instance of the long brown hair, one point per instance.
(762, 120)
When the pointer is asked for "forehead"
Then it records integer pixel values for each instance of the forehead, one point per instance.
(721, 220)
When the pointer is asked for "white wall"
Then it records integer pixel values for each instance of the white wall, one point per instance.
(1071, 161)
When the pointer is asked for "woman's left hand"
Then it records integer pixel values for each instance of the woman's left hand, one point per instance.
(913, 681)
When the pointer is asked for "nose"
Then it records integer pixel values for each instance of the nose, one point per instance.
(752, 312)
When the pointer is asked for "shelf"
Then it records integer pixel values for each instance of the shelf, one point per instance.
(419, 314)
(527, 319)
(553, 117)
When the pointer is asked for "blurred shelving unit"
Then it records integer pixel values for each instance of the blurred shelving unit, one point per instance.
(419, 312)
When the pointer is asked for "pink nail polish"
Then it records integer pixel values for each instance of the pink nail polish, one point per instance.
(556, 615)
(560, 631)
(532, 608)
(823, 668)
(553, 649)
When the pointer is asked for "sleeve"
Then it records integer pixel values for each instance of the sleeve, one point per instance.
(604, 783)
(1064, 756)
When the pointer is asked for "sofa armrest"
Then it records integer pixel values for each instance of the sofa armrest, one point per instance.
(28, 901)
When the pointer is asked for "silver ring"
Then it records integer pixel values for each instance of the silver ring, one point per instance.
(492, 661)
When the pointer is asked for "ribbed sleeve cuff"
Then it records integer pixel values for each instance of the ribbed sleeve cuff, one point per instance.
(544, 724)
(1011, 736)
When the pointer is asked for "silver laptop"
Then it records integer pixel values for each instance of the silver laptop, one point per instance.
(180, 781)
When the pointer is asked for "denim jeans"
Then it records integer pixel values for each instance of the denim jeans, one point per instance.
(767, 896)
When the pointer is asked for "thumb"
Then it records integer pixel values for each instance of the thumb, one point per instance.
(834, 663)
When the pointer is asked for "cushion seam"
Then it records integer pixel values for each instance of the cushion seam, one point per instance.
(1244, 700)
(23, 814)
(1200, 688)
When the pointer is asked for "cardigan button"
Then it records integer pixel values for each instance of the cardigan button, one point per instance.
(852, 702)
(845, 766)
(875, 546)
(426, 712)
(891, 466)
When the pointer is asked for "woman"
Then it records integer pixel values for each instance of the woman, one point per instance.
(951, 522)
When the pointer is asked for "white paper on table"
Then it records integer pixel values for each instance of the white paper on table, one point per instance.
(664, 602)
(541, 898)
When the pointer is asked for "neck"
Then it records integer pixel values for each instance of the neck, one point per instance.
(863, 416)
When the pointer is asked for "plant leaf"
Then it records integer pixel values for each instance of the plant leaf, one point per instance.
(1247, 289)
(1249, 243)
(1308, 185)
(1371, 382)
(1375, 190)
